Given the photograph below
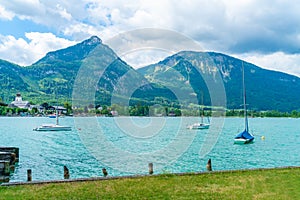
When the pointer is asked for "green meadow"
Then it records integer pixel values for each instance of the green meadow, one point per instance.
(282, 183)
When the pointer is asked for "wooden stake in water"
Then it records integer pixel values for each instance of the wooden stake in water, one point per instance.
(29, 176)
(105, 173)
(66, 173)
(150, 168)
(208, 165)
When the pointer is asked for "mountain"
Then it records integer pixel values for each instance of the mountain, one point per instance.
(74, 53)
(95, 71)
(266, 89)
(91, 72)
(90, 65)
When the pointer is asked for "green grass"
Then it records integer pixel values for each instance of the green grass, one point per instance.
(253, 184)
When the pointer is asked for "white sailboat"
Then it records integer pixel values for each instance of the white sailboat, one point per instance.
(245, 137)
(200, 125)
(53, 127)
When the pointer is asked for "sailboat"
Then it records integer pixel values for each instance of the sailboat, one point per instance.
(245, 136)
(53, 127)
(200, 125)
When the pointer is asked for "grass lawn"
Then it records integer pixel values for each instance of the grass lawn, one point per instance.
(253, 184)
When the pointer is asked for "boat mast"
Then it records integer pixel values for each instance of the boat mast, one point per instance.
(245, 106)
(56, 110)
(202, 110)
(56, 116)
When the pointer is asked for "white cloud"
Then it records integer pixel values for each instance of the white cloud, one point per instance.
(232, 26)
(75, 30)
(4, 14)
(145, 57)
(63, 12)
(245, 27)
(149, 45)
(24, 53)
(25, 9)
(278, 61)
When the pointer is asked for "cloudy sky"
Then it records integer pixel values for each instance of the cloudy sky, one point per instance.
(266, 33)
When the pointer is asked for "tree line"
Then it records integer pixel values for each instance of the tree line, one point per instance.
(140, 110)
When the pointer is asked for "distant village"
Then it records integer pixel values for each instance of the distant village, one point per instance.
(19, 107)
(24, 108)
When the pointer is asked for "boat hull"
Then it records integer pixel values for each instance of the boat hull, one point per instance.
(53, 128)
(198, 126)
(243, 141)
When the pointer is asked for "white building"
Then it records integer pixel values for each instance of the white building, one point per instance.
(18, 102)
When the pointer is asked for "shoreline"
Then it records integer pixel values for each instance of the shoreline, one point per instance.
(67, 116)
(142, 176)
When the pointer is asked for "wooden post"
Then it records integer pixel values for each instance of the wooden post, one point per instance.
(4, 178)
(150, 168)
(29, 177)
(208, 165)
(66, 173)
(105, 173)
(12, 168)
(4, 168)
(13, 159)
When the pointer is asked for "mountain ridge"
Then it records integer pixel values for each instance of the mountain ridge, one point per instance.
(76, 52)
(55, 73)
(268, 83)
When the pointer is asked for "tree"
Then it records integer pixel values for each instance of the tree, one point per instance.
(177, 112)
(104, 111)
(33, 111)
(294, 113)
(68, 106)
(45, 105)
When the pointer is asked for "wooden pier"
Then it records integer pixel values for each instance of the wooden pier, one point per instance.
(14, 150)
(9, 156)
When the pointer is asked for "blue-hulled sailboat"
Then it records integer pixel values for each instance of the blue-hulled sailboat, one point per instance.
(244, 137)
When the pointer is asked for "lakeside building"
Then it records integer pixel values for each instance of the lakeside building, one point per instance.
(60, 109)
(19, 103)
(40, 109)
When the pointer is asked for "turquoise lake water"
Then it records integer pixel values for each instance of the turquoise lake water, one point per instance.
(125, 145)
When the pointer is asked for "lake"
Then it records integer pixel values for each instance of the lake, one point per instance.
(125, 145)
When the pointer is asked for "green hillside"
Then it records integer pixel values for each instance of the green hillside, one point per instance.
(54, 77)
(100, 77)
(12, 80)
(266, 90)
